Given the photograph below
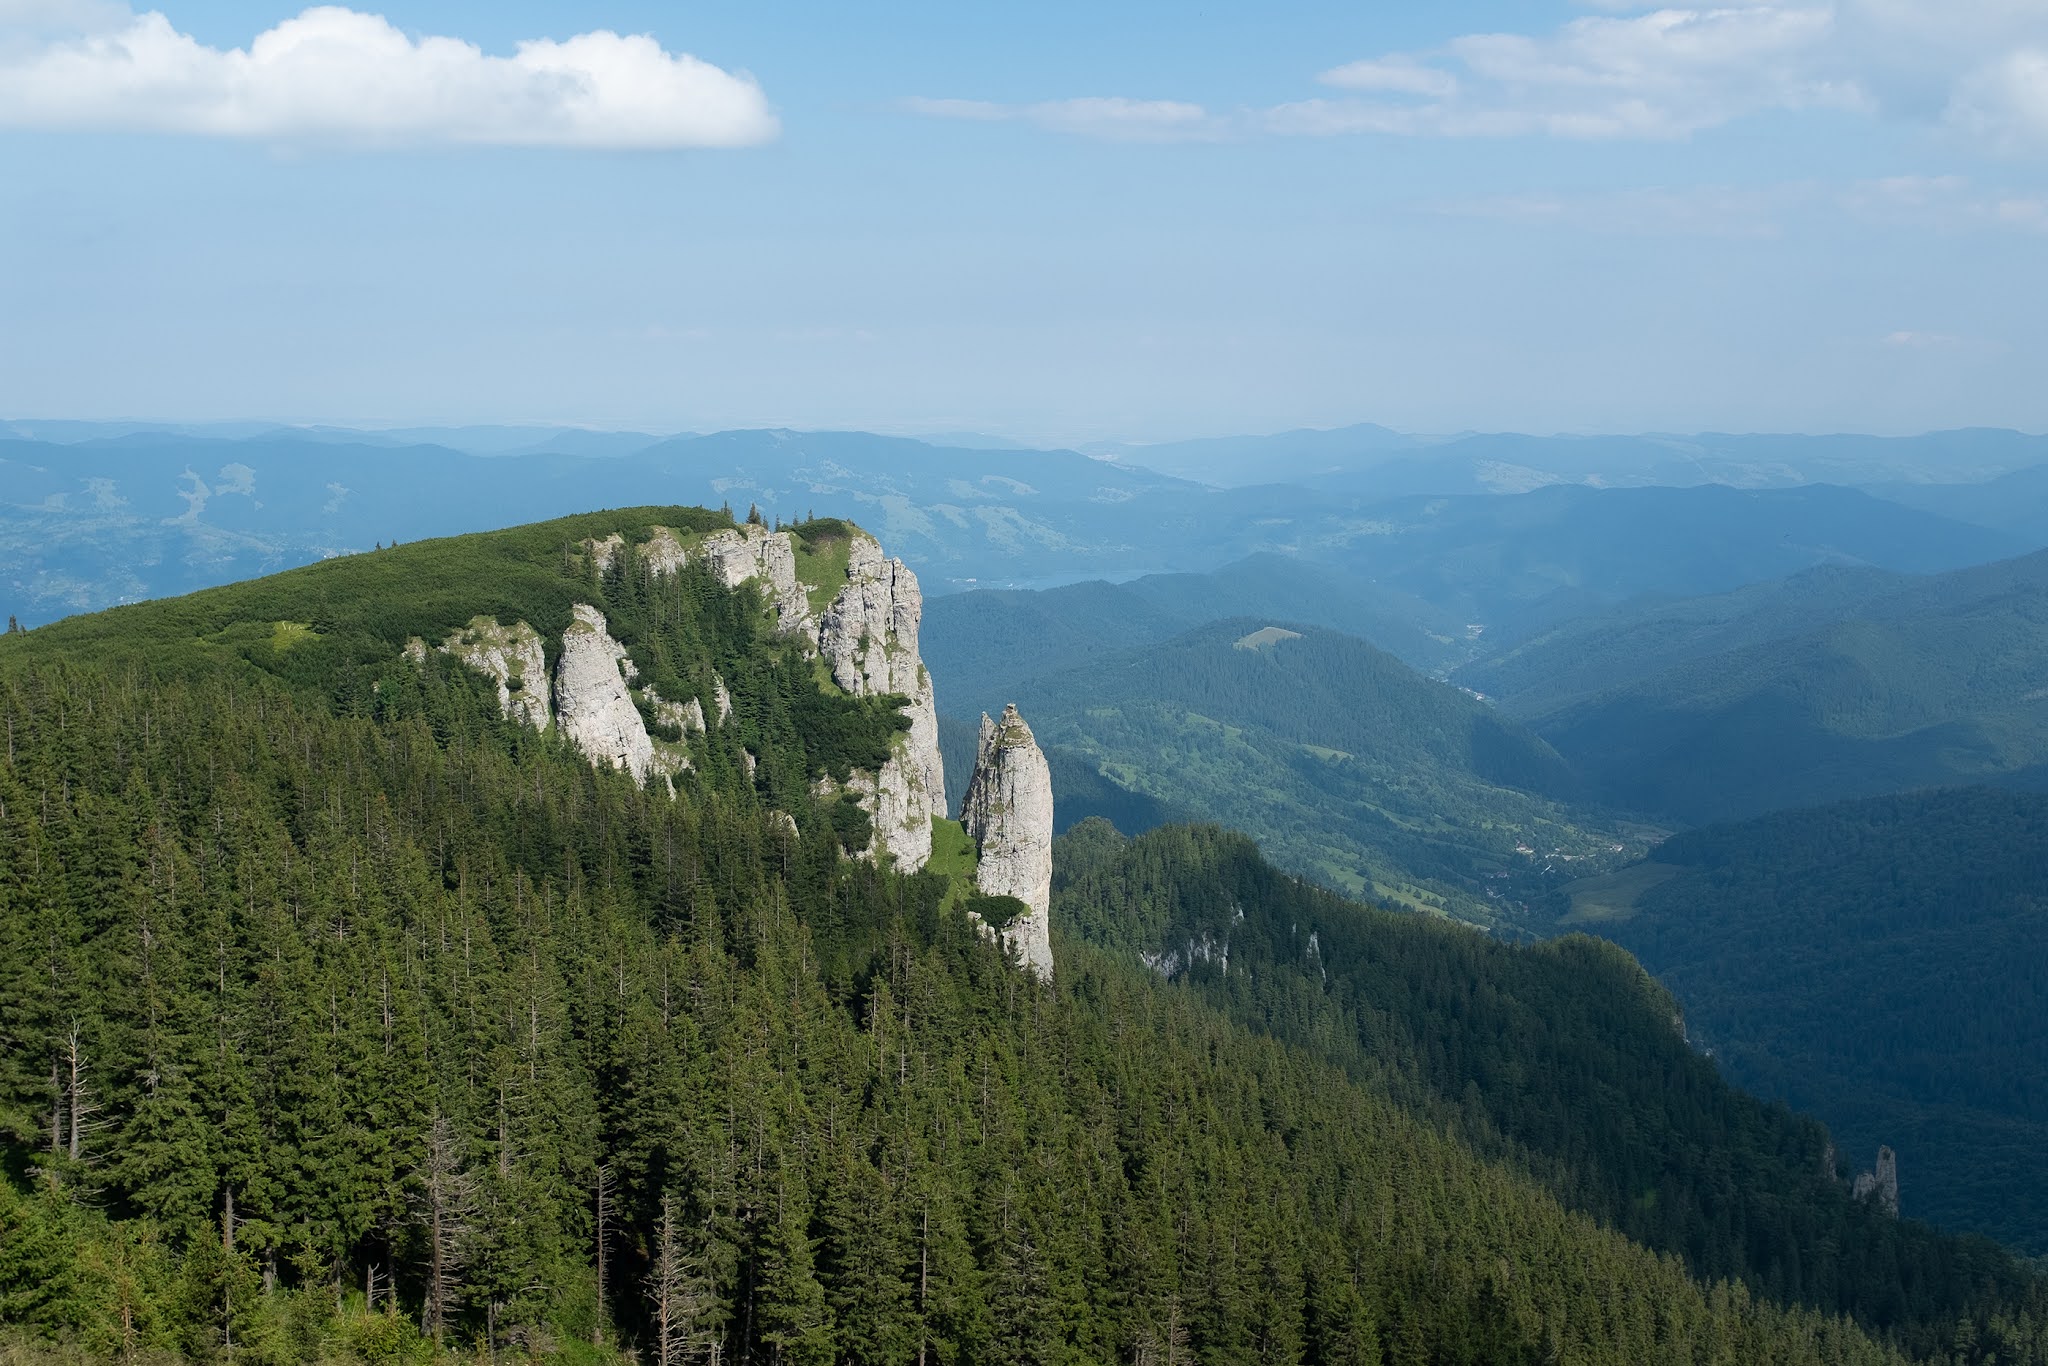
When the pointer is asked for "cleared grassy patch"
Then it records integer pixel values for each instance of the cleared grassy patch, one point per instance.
(1266, 635)
(1613, 896)
(953, 858)
(823, 548)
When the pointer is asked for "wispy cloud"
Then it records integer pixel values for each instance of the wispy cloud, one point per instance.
(1976, 67)
(1111, 117)
(335, 74)
(1689, 211)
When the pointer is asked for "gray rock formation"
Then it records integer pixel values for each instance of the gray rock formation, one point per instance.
(662, 554)
(510, 656)
(1008, 812)
(752, 552)
(1881, 1185)
(592, 705)
(867, 637)
(868, 640)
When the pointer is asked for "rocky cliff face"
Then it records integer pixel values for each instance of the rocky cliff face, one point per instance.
(754, 552)
(868, 639)
(592, 705)
(1008, 812)
(510, 656)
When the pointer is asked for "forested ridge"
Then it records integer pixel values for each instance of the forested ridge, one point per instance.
(344, 1020)
(1879, 963)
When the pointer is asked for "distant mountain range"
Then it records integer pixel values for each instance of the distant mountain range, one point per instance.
(1825, 686)
(93, 514)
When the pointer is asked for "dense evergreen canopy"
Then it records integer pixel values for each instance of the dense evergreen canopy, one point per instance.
(345, 1020)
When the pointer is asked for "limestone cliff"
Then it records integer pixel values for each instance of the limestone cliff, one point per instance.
(1008, 813)
(868, 639)
(592, 706)
(510, 656)
(754, 552)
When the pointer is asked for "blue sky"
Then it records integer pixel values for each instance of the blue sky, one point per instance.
(1044, 221)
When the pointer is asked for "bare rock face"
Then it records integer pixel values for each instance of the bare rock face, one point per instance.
(868, 639)
(663, 553)
(510, 656)
(754, 552)
(1881, 1185)
(592, 705)
(1008, 812)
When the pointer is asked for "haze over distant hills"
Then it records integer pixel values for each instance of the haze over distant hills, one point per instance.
(97, 513)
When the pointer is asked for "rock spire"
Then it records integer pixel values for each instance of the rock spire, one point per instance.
(1008, 813)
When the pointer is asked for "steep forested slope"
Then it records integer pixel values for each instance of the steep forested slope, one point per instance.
(343, 1018)
(1879, 964)
(1566, 1058)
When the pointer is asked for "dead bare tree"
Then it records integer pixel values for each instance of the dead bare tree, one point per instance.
(676, 1295)
(605, 1185)
(445, 1210)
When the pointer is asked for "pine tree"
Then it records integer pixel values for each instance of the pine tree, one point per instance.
(795, 1320)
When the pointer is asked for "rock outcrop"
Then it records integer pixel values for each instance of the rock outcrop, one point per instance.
(510, 656)
(661, 554)
(1881, 1185)
(1008, 813)
(592, 705)
(868, 640)
(754, 552)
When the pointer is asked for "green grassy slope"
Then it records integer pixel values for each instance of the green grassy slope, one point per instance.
(1345, 765)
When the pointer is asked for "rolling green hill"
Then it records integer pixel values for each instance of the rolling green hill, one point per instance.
(1879, 964)
(1910, 684)
(344, 1020)
(1346, 765)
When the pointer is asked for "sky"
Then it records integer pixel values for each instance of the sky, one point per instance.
(1055, 222)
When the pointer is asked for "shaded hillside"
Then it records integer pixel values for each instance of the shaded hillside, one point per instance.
(1928, 682)
(982, 646)
(1566, 1057)
(1878, 964)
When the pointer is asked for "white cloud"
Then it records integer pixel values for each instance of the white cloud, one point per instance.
(1923, 341)
(1394, 75)
(1977, 68)
(334, 74)
(1112, 118)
